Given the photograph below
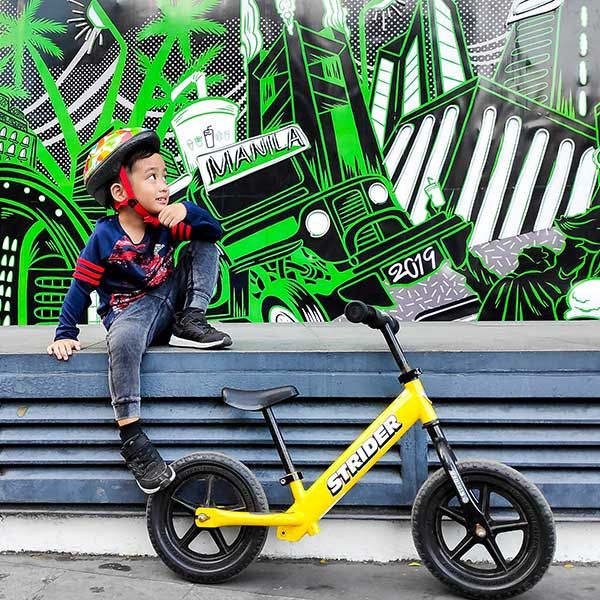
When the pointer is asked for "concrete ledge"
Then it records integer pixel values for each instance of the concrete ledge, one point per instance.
(484, 360)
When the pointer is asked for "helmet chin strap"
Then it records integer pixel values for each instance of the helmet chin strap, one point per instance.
(133, 203)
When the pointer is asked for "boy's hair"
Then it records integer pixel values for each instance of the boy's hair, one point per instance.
(139, 153)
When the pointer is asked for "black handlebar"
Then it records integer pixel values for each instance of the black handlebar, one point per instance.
(359, 312)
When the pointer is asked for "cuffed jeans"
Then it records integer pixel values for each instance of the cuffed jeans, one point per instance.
(150, 320)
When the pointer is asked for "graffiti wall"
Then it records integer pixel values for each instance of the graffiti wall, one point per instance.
(437, 158)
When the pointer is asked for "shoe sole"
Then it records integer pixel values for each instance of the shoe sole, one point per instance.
(162, 486)
(185, 343)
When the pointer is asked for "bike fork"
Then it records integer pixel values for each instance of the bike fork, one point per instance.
(476, 521)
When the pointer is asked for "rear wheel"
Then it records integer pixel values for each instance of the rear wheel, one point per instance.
(206, 555)
(506, 563)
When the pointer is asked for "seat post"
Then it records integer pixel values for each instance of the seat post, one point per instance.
(291, 473)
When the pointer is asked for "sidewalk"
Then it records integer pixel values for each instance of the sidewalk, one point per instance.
(68, 577)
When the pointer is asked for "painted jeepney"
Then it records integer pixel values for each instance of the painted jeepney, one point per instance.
(295, 252)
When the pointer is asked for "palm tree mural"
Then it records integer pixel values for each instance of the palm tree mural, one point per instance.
(11, 90)
(26, 33)
(178, 21)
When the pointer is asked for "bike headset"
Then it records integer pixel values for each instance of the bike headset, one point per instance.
(104, 165)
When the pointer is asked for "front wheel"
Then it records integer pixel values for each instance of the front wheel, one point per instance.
(206, 555)
(506, 563)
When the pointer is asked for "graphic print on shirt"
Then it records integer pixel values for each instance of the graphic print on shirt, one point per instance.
(142, 264)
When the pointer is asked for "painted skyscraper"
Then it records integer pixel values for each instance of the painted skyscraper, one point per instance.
(319, 92)
(523, 164)
(549, 56)
(412, 68)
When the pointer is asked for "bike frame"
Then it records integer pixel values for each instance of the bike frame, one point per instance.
(347, 470)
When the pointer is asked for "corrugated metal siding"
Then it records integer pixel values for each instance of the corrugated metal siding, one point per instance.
(67, 451)
(555, 442)
(526, 394)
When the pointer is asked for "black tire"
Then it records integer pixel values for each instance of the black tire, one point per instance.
(206, 479)
(500, 491)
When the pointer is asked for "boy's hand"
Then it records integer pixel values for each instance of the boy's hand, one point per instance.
(62, 349)
(172, 215)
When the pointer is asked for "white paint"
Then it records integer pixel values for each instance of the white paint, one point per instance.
(410, 173)
(584, 300)
(583, 73)
(357, 539)
(378, 193)
(318, 223)
(473, 178)
(436, 161)
(583, 188)
(450, 61)
(582, 103)
(556, 186)
(381, 98)
(490, 207)
(523, 9)
(411, 99)
(521, 197)
(398, 148)
(583, 44)
(584, 16)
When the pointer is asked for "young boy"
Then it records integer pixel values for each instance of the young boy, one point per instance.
(128, 260)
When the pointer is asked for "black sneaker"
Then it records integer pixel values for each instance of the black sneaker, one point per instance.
(191, 330)
(149, 469)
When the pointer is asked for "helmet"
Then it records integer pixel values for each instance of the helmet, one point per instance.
(104, 161)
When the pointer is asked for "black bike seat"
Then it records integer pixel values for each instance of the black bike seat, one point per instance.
(257, 399)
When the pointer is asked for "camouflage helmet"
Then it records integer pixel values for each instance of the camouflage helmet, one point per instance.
(104, 161)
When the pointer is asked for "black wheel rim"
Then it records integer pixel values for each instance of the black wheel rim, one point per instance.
(506, 514)
(213, 490)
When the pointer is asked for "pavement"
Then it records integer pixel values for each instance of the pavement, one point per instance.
(29, 576)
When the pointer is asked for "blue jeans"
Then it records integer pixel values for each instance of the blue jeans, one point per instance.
(150, 320)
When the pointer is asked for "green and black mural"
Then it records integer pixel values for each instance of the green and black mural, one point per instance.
(437, 158)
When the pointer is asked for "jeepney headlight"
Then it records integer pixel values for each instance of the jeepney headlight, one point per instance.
(318, 223)
(378, 193)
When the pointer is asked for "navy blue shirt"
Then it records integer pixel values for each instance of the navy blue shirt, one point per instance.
(123, 272)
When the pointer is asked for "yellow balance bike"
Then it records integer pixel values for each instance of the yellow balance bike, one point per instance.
(479, 526)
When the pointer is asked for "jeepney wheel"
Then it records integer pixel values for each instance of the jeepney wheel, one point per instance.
(288, 302)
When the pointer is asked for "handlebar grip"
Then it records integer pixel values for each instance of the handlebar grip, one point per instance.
(359, 312)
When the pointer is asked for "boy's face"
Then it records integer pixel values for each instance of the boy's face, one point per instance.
(149, 183)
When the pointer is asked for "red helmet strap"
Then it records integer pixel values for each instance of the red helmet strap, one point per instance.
(131, 201)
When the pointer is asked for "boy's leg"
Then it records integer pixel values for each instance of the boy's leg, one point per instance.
(195, 280)
(128, 338)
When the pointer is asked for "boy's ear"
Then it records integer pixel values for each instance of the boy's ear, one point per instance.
(118, 192)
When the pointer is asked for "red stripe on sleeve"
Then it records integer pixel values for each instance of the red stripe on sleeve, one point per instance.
(77, 275)
(188, 232)
(174, 232)
(91, 274)
(90, 265)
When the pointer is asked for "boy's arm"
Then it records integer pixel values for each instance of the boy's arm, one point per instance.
(86, 278)
(198, 224)
(74, 306)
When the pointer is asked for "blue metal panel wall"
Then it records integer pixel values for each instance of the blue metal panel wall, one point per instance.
(67, 451)
(538, 411)
(555, 442)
